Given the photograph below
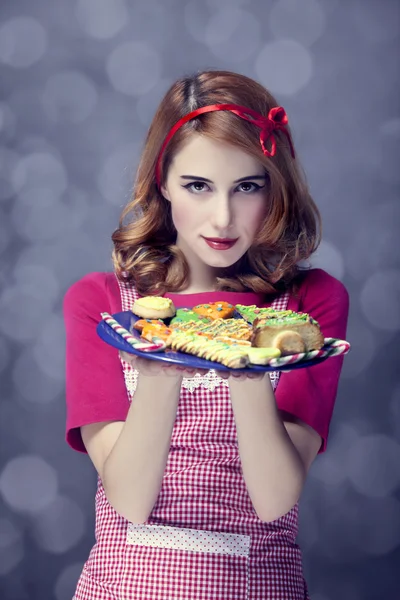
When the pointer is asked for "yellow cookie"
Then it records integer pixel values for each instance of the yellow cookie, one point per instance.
(262, 356)
(153, 307)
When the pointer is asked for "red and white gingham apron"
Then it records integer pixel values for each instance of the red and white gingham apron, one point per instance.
(203, 539)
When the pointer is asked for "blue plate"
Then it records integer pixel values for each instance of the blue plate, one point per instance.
(127, 320)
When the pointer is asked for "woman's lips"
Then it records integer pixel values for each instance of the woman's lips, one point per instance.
(220, 244)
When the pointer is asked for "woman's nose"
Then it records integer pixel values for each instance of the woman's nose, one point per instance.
(221, 211)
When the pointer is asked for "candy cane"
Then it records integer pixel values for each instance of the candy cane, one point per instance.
(336, 347)
(133, 341)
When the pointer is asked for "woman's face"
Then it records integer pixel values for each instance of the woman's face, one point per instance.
(218, 196)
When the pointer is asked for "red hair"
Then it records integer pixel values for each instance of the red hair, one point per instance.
(145, 251)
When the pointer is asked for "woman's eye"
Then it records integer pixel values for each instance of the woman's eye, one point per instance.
(196, 186)
(249, 186)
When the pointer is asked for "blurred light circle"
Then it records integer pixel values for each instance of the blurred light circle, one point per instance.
(147, 104)
(155, 22)
(69, 96)
(303, 22)
(373, 465)
(39, 280)
(66, 581)
(116, 178)
(8, 161)
(28, 484)
(133, 68)
(72, 259)
(40, 170)
(340, 514)
(35, 384)
(60, 526)
(284, 66)
(329, 258)
(23, 41)
(390, 127)
(376, 531)
(101, 19)
(7, 122)
(32, 144)
(329, 467)
(196, 19)
(38, 214)
(49, 349)
(377, 22)
(22, 312)
(11, 546)
(390, 141)
(76, 203)
(380, 300)
(224, 30)
(373, 244)
(364, 347)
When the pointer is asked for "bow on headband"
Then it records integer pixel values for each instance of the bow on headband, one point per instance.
(275, 121)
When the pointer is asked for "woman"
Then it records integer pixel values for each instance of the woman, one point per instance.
(200, 474)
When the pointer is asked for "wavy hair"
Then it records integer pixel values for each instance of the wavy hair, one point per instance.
(145, 251)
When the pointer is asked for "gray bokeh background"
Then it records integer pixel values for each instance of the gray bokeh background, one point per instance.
(80, 81)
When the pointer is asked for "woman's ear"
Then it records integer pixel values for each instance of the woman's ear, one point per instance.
(164, 192)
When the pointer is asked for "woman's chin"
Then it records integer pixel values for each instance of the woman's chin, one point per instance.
(221, 262)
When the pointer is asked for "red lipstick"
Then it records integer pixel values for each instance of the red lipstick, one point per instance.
(220, 243)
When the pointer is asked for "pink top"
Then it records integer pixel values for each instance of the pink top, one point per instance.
(308, 394)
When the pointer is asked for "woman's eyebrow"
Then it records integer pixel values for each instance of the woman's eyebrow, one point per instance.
(198, 178)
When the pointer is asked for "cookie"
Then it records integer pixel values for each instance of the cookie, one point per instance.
(155, 331)
(215, 310)
(153, 307)
(252, 312)
(183, 315)
(234, 357)
(262, 356)
(292, 334)
(140, 323)
(232, 328)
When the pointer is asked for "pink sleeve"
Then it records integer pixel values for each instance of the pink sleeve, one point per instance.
(310, 393)
(95, 388)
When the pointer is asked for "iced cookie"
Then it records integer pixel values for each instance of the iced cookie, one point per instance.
(215, 310)
(234, 357)
(293, 334)
(153, 307)
(155, 331)
(262, 356)
(252, 312)
(140, 323)
(184, 315)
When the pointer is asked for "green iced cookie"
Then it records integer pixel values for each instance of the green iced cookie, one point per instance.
(183, 315)
(250, 313)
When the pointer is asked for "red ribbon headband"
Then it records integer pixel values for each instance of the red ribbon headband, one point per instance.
(276, 120)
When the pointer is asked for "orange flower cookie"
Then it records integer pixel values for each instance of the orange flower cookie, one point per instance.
(215, 310)
(155, 331)
(140, 323)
